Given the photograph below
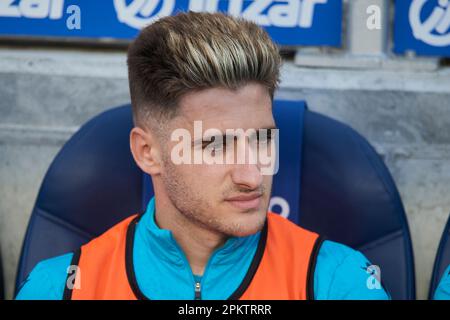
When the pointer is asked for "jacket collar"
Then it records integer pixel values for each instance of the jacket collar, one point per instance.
(164, 245)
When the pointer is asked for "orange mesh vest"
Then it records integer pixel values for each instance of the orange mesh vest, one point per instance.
(282, 267)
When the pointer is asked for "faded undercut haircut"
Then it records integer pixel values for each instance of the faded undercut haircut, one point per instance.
(194, 51)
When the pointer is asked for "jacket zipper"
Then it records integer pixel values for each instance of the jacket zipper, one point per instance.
(198, 293)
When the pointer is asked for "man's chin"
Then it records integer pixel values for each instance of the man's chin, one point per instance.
(244, 233)
(247, 225)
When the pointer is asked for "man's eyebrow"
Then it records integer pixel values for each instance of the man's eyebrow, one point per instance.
(225, 136)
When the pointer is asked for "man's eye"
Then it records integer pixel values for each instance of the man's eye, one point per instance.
(215, 146)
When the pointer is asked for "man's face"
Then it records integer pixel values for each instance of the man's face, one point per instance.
(230, 198)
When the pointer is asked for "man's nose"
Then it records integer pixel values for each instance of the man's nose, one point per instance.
(247, 175)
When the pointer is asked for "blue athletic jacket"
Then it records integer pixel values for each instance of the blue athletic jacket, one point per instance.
(163, 272)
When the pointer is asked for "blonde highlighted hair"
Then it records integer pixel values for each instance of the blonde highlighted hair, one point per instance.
(194, 51)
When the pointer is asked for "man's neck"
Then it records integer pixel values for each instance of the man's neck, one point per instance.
(196, 242)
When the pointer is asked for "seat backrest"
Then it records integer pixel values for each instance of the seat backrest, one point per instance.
(343, 191)
(92, 184)
(349, 196)
(442, 260)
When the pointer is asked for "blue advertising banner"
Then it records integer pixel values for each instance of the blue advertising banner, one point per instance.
(422, 26)
(289, 22)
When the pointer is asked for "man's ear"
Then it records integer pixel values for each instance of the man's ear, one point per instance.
(145, 149)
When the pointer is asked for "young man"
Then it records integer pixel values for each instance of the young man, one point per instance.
(206, 234)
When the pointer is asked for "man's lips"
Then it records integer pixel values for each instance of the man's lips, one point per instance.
(246, 201)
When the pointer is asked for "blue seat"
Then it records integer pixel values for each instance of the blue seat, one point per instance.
(343, 191)
(442, 260)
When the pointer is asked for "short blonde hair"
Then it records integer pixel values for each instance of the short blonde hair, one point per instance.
(194, 51)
